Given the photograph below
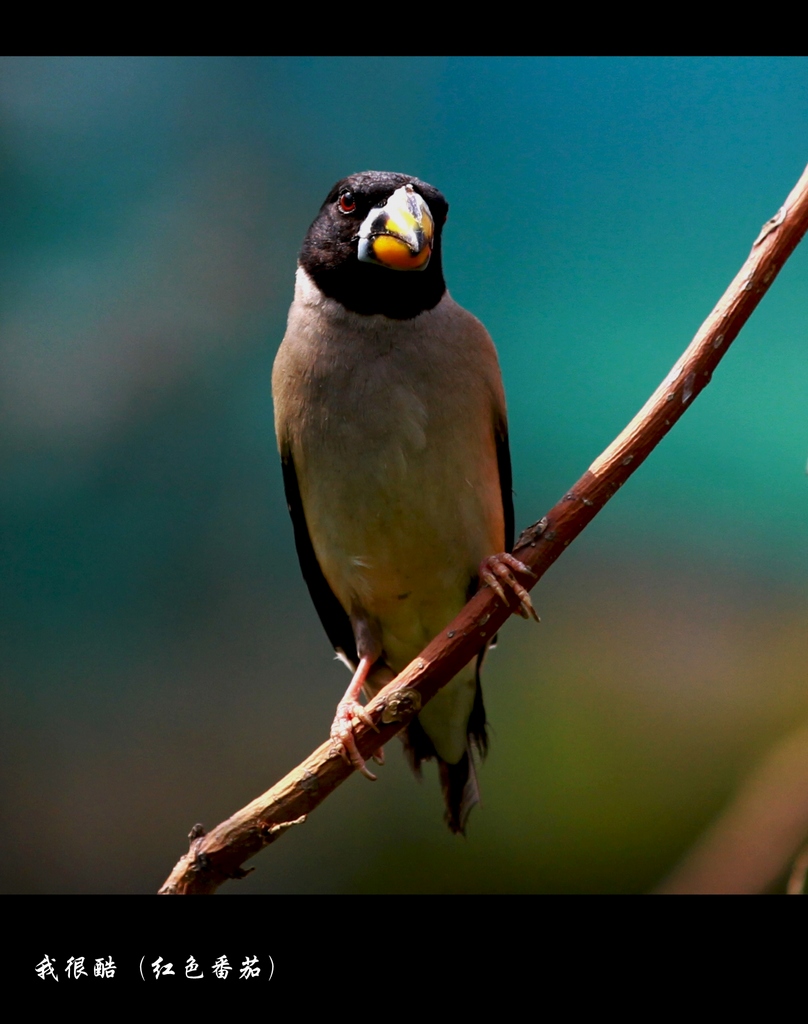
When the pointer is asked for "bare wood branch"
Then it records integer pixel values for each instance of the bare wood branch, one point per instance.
(754, 839)
(218, 856)
(799, 872)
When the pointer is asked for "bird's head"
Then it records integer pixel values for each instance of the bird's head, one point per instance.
(375, 245)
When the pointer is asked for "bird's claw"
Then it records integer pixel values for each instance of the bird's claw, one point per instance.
(498, 568)
(342, 735)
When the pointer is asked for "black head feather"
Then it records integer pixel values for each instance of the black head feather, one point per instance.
(329, 252)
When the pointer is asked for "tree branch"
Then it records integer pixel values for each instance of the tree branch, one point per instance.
(759, 832)
(218, 856)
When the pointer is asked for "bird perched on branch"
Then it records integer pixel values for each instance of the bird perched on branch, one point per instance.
(391, 425)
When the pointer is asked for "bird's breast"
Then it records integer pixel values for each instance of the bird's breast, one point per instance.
(390, 425)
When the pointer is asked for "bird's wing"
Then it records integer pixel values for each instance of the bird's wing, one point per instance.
(332, 615)
(505, 479)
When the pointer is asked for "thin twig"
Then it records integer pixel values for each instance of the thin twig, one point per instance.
(799, 871)
(753, 841)
(217, 856)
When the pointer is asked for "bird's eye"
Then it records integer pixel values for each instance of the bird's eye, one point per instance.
(347, 203)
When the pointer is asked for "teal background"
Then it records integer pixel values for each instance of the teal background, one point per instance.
(161, 661)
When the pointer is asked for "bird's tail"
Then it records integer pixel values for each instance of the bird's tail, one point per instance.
(458, 781)
(461, 791)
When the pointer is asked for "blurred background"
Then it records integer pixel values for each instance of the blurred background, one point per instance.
(161, 661)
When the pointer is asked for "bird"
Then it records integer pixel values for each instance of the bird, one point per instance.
(393, 437)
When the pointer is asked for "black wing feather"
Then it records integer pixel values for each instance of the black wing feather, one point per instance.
(332, 615)
(505, 480)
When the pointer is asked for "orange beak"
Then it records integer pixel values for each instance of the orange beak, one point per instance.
(399, 234)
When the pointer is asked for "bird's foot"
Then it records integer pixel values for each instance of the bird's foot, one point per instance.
(498, 568)
(349, 714)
